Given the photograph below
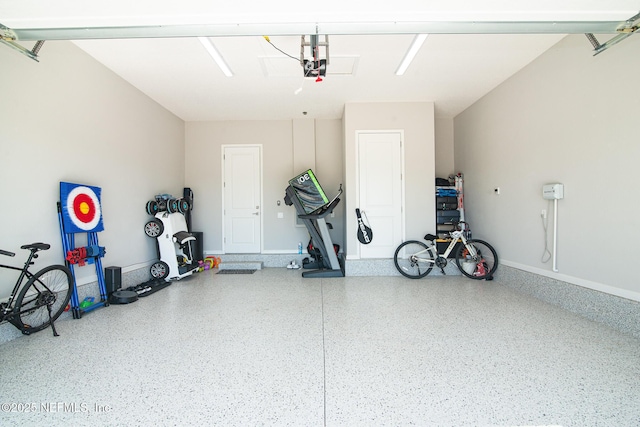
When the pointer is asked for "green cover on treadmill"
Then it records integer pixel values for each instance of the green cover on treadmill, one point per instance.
(309, 191)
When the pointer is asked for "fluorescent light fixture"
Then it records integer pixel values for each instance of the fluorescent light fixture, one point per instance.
(411, 53)
(216, 56)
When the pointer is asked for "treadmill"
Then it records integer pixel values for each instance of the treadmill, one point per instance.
(312, 206)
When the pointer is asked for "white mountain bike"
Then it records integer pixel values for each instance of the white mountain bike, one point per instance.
(476, 259)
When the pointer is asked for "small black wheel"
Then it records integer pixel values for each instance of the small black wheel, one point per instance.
(183, 205)
(172, 205)
(159, 270)
(414, 259)
(477, 260)
(154, 228)
(152, 207)
(43, 299)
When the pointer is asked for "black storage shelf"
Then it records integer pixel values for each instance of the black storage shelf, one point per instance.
(448, 213)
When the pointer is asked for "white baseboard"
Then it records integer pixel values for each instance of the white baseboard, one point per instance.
(92, 278)
(601, 287)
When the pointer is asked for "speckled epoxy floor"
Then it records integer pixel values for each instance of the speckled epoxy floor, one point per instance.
(275, 349)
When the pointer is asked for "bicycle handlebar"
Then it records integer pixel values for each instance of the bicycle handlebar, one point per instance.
(7, 253)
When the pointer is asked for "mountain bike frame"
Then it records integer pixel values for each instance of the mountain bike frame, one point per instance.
(8, 312)
(456, 237)
(7, 307)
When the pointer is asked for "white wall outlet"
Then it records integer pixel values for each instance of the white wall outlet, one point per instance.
(280, 215)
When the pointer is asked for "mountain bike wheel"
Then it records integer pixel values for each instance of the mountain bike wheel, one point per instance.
(483, 265)
(49, 288)
(414, 259)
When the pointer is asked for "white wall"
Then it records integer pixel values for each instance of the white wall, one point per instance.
(416, 119)
(330, 171)
(323, 139)
(67, 118)
(444, 147)
(571, 118)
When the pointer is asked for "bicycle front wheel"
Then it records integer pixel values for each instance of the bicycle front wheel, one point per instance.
(49, 289)
(414, 259)
(480, 266)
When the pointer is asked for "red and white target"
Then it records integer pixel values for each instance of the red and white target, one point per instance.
(84, 208)
(81, 208)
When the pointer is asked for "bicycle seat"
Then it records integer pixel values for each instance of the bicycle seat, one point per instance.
(36, 246)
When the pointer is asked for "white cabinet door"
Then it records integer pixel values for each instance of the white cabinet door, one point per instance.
(380, 190)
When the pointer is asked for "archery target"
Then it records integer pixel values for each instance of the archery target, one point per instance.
(81, 208)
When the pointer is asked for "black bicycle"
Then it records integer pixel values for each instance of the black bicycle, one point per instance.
(42, 299)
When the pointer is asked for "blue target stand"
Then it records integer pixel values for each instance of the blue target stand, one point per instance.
(80, 211)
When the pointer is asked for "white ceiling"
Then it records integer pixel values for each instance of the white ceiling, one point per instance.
(367, 42)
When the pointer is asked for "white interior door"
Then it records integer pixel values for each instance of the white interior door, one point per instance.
(242, 195)
(380, 191)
